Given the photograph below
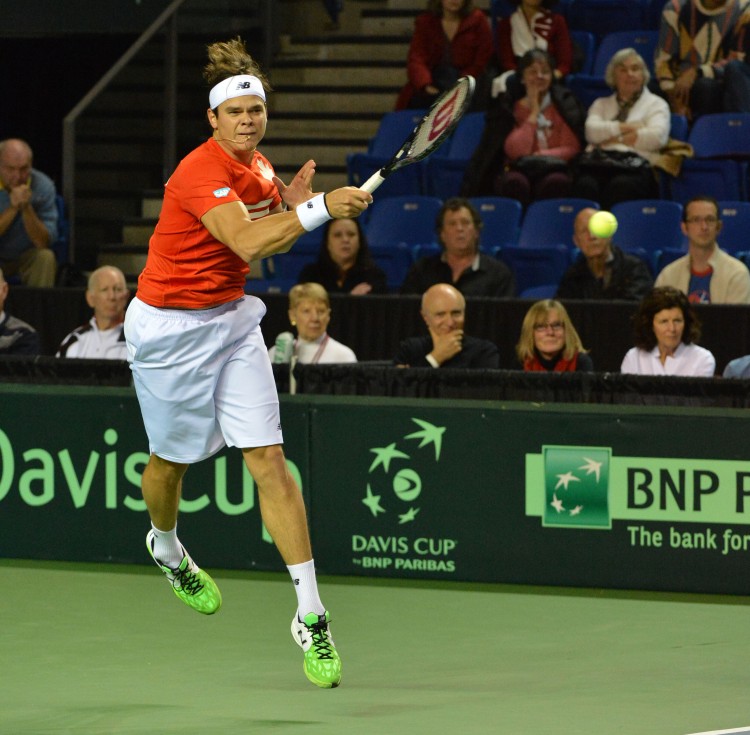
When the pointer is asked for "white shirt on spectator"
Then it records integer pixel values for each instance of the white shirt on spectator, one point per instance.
(688, 361)
(88, 341)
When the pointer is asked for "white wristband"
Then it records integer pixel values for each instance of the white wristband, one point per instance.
(432, 361)
(313, 213)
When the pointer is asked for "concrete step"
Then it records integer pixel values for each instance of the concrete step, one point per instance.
(345, 48)
(326, 128)
(340, 73)
(377, 100)
(294, 154)
(388, 23)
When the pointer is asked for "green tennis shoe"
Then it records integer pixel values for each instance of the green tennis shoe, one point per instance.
(190, 583)
(322, 664)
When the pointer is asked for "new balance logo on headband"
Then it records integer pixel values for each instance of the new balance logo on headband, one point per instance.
(244, 85)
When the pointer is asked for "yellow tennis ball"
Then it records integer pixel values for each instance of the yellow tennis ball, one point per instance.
(603, 224)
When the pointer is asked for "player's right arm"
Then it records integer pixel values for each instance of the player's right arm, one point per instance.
(254, 239)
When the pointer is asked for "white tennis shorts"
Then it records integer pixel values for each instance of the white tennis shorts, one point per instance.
(203, 378)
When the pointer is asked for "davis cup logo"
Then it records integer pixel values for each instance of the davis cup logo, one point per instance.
(576, 485)
(395, 488)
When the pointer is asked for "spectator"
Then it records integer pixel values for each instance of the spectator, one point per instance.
(16, 337)
(545, 137)
(666, 330)
(698, 58)
(602, 271)
(625, 132)
(460, 262)
(706, 274)
(310, 313)
(738, 368)
(532, 26)
(549, 341)
(444, 313)
(28, 217)
(451, 39)
(344, 264)
(102, 336)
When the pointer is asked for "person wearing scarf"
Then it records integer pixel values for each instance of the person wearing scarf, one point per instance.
(549, 341)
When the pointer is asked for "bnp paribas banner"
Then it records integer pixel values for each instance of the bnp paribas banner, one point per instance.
(591, 496)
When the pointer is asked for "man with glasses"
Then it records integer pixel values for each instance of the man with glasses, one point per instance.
(706, 274)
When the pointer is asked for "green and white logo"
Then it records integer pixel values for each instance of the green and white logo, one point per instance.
(394, 488)
(576, 484)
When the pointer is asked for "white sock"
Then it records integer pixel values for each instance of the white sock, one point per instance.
(167, 547)
(306, 587)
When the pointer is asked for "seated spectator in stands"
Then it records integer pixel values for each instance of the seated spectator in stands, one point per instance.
(545, 137)
(532, 26)
(666, 330)
(444, 313)
(460, 263)
(602, 270)
(699, 57)
(28, 217)
(549, 341)
(310, 313)
(16, 337)
(451, 39)
(738, 368)
(344, 264)
(102, 336)
(625, 132)
(706, 274)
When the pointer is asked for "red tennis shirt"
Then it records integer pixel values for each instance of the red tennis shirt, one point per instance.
(186, 266)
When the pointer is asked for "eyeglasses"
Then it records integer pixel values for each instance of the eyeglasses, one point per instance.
(554, 326)
(710, 220)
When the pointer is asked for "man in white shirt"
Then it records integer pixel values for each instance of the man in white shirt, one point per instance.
(707, 275)
(102, 336)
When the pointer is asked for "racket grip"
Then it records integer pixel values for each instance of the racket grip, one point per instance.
(373, 183)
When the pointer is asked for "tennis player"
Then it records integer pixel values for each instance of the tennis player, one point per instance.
(200, 366)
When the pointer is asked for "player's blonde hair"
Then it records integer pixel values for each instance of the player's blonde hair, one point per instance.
(229, 59)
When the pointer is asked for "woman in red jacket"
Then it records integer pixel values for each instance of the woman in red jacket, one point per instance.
(451, 39)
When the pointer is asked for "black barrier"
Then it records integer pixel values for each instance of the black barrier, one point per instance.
(604, 496)
(373, 326)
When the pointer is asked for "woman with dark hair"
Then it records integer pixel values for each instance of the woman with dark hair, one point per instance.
(451, 39)
(532, 25)
(666, 330)
(344, 264)
(549, 342)
(542, 142)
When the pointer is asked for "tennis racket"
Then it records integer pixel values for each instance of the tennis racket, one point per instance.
(430, 132)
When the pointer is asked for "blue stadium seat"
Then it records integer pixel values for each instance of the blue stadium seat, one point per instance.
(61, 245)
(678, 128)
(395, 260)
(586, 43)
(286, 267)
(405, 219)
(666, 256)
(547, 291)
(601, 17)
(424, 250)
(550, 222)
(444, 171)
(393, 130)
(501, 221)
(587, 88)
(735, 226)
(644, 42)
(652, 15)
(721, 135)
(539, 266)
(649, 225)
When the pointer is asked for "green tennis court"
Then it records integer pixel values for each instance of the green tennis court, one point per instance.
(96, 650)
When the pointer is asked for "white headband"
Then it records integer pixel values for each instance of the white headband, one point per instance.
(239, 86)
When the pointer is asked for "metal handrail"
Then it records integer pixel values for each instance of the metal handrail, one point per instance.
(169, 15)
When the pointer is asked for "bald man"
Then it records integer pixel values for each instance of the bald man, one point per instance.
(28, 216)
(101, 338)
(446, 345)
(602, 271)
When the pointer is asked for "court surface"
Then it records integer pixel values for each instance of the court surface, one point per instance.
(98, 650)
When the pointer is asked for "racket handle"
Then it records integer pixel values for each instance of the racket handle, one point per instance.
(373, 183)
